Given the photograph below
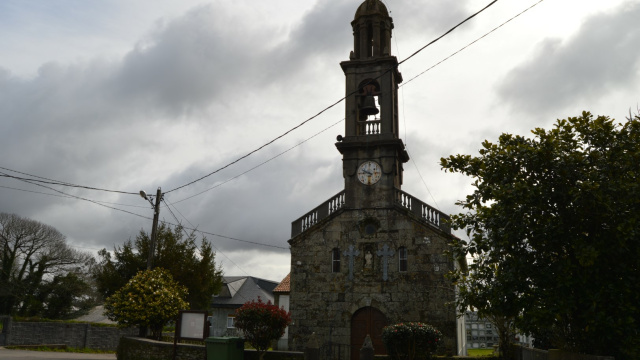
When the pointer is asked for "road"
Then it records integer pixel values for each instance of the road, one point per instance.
(6, 354)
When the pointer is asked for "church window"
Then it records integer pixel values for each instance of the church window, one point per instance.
(402, 258)
(335, 260)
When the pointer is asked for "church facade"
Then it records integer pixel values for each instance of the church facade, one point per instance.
(372, 255)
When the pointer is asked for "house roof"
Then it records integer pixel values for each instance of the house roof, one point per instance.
(284, 286)
(237, 290)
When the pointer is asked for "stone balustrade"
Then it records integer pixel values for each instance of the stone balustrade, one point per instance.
(427, 213)
(370, 127)
(312, 217)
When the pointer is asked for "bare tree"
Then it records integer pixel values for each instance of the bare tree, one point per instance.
(31, 253)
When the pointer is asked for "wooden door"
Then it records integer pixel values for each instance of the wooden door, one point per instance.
(367, 321)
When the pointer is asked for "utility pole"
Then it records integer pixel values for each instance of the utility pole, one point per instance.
(154, 229)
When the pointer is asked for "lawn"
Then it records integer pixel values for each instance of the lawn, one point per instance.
(480, 352)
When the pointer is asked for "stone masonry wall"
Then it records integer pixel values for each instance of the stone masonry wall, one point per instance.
(72, 335)
(325, 302)
(145, 349)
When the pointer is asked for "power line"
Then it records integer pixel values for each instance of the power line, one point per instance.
(57, 182)
(445, 59)
(330, 106)
(424, 182)
(262, 163)
(218, 235)
(471, 43)
(450, 30)
(212, 244)
(29, 181)
(61, 183)
(67, 196)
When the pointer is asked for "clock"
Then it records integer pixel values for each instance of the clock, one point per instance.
(369, 172)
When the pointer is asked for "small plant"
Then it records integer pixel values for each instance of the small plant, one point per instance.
(152, 298)
(261, 323)
(412, 340)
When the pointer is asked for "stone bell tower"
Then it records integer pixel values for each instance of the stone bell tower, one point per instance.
(372, 152)
(371, 255)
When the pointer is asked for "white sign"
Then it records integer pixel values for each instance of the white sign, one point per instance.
(192, 325)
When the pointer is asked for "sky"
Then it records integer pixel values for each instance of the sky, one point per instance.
(128, 96)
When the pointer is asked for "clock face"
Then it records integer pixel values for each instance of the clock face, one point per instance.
(369, 172)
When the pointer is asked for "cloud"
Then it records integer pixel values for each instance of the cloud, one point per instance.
(598, 60)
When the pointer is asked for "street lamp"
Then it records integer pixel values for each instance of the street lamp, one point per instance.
(154, 229)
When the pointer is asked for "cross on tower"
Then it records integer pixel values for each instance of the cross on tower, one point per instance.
(386, 254)
(351, 254)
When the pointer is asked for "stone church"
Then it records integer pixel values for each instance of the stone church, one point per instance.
(372, 255)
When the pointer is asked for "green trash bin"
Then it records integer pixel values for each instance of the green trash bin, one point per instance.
(224, 348)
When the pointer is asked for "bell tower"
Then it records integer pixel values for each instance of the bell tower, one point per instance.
(372, 152)
(370, 255)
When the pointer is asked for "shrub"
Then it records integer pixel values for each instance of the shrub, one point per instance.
(151, 298)
(261, 323)
(411, 340)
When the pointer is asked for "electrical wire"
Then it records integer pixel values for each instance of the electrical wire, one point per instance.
(218, 235)
(212, 244)
(445, 59)
(76, 197)
(330, 106)
(57, 182)
(446, 33)
(262, 163)
(67, 196)
(471, 43)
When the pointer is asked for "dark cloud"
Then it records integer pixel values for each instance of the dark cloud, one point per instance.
(601, 58)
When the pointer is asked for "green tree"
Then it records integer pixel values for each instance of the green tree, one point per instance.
(554, 231)
(191, 266)
(149, 299)
(261, 323)
(32, 256)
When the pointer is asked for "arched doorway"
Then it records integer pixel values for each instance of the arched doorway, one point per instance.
(367, 321)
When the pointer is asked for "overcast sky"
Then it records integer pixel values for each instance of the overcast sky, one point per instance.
(130, 96)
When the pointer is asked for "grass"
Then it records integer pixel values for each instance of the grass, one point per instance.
(61, 349)
(480, 352)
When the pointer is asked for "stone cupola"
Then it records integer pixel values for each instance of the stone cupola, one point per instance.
(371, 30)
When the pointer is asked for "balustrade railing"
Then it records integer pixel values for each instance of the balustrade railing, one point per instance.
(425, 212)
(312, 217)
(370, 127)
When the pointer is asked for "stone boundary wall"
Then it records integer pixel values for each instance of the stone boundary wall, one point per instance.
(131, 348)
(70, 334)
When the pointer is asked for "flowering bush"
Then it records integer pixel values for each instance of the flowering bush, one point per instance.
(151, 298)
(261, 323)
(410, 340)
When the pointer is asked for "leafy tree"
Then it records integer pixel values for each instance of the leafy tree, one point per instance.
(149, 299)
(261, 323)
(191, 266)
(32, 256)
(412, 340)
(554, 230)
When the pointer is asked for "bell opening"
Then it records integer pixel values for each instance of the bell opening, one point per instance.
(370, 107)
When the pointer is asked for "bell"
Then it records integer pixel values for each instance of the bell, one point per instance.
(369, 106)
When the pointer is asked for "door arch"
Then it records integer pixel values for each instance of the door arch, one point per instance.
(367, 321)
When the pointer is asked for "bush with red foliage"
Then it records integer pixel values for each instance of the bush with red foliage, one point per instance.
(261, 323)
